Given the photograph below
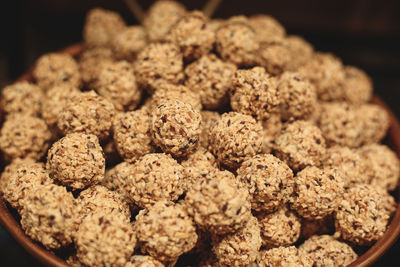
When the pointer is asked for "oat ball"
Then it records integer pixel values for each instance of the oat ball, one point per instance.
(10, 170)
(375, 120)
(316, 192)
(87, 113)
(156, 177)
(283, 257)
(300, 144)
(217, 203)
(76, 161)
(175, 92)
(161, 17)
(157, 64)
(382, 164)
(326, 251)
(132, 134)
(101, 27)
(362, 215)
(22, 97)
(192, 35)
(234, 138)
(301, 52)
(268, 180)
(129, 42)
(317, 227)
(298, 96)
(23, 136)
(143, 261)
(165, 231)
(117, 84)
(211, 78)
(274, 56)
(104, 240)
(340, 124)
(208, 120)
(175, 128)
(49, 216)
(56, 68)
(271, 128)
(239, 248)
(254, 93)
(267, 28)
(116, 179)
(358, 87)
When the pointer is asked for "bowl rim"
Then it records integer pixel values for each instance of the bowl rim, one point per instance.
(366, 259)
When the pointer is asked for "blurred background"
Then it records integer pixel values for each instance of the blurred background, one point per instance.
(364, 33)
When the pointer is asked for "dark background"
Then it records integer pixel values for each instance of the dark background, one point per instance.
(364, 33)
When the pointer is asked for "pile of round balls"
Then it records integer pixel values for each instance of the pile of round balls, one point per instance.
(223, 142)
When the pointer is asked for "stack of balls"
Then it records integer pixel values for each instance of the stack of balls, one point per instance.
(227, 142)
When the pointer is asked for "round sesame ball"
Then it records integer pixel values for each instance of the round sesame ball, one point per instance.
(129, 42)
(175, 92)
(266, 27)
(283, 256)
(10, 170)
(268, 180)
(156, 177)
(143, 261)
(90, 63)
(254, 93)
(76, 161)
(325, 250)
(234, 138)
(104, 240)
(300, 144)
(175, 128)
(24, 136)
(274, 56)
(362, 215)
(301, 52)
(211, 78)
(271, 128)
(358, 87)
(375, 120)
(87, 113)
(22, 97)
(208, 120)
(165, 231)
(49, 216)
(316, 192)
(56, 68)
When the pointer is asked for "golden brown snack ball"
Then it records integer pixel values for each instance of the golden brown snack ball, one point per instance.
(211, 78)
(56, 68)
(175, 92)
(358, 87)
(268, 180)
(283, 257)
(271, 128)
(76, 160)
(116, 179)
(300, 144)
(101, 27)
(22, 97)
(301, 52)
(254, 93)
(234, 138)
(23, 136)
(10, 170)
(208, 119)
(267, 28)
(143, 261)
(129, 42)
(274, 56)
(165, 231)
(87, 113)
(90, 63)
(376, 122)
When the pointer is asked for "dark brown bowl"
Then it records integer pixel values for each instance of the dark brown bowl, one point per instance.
(369, 257)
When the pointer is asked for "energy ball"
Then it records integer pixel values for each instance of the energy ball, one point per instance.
(254, 93)
(161, 17)
(116, 179)
(165, 231)
(325, 250)
(22, 97)
(175, 128)
(87, 113)
(341, 125)
(268, 180)
(300, 144)
(175, 92)
(375, 120)
(24, 136)
(76, 161)
(358, 87)
(208, 120)
(284, 256)
(235, 138)
(271, 128)
(104, 240)
(362, 215)
(281, 228)
(217, 203)
(298, 96)
(192, 35)
(267, 27)
(56, 68)
(117, 84)
(129, 42)
(301, 52)
(274, 56)
(49, 216)
(211, 78)
(90, 64)
(132, 134)
(101, 27)
(157, 64)
(10, 170)
(143, 261)
(156, 177)
(382, 164)
(316, 192)
(239, 248)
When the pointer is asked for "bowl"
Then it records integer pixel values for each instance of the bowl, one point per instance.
(370, 256)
